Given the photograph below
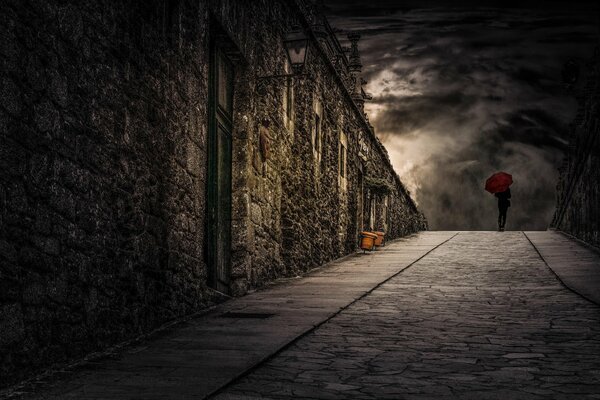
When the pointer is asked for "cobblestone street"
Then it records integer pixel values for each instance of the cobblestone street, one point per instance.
(299, 199)
(481, 317)
(439, 315)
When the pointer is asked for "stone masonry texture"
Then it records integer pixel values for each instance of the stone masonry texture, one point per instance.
(103, 165)
(480, 317)
(438, 315)
(578, 189)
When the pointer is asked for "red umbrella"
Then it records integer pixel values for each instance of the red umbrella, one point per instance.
(498, 182)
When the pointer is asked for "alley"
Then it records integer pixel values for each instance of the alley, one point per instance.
(481, 317)
(456, 315)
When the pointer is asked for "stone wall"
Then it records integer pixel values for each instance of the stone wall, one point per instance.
(103, 171)
(289, 211)
(578, 189)
(102, 181)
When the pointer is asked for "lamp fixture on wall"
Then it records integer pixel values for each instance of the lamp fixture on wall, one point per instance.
(296, 47)
(295, 44)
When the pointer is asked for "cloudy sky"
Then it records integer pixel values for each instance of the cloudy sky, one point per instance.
(461, 92)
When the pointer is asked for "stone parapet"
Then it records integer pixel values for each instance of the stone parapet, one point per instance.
(578, 189)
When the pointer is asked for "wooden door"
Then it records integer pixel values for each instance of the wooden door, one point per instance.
(219, 170)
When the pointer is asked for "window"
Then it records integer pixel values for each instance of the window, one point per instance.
(343, 160)
(288, 98)
(225, 85)
(317, 139)
(316, 130)
(372, 213)
(385, 213)
(361, 201)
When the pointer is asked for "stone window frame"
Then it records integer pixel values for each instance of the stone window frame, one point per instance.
(343, 162)
(384, 212)
(317, 130)
(288, 105)
(389, 221)
(372, 211)
(360, 200)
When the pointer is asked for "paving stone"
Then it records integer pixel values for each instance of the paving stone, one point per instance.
(481, 317)
(577, 265)
(206, 353)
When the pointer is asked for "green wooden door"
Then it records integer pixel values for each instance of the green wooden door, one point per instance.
(219, 171)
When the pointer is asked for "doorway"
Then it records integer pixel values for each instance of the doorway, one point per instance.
(360, 216)
(221, 76)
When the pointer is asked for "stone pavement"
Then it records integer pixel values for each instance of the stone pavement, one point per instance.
(442, 315)
(206, 353)
(577, 265)
(481, 317)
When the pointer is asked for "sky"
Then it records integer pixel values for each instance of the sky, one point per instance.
(462, 92)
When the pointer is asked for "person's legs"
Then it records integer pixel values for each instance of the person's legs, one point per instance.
(502, 218)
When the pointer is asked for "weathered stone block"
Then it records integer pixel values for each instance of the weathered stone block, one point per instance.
(10, 97)
(12, 328)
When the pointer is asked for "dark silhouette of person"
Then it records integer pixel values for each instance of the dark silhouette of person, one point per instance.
(503, 204)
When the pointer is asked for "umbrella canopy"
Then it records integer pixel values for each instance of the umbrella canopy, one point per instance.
(498, 182)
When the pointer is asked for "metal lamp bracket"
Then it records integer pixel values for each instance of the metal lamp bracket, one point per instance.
(262, 82)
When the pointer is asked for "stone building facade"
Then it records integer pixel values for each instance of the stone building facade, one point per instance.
(578, 189)
(156, 154)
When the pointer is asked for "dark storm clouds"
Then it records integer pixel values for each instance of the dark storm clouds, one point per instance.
(460, 93)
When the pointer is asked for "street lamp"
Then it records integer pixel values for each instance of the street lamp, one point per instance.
(296, 48)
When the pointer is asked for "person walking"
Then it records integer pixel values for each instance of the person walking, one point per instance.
(498, 184)
(503, 204)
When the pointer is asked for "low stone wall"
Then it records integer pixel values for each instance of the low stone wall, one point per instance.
(578, 189)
